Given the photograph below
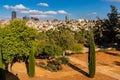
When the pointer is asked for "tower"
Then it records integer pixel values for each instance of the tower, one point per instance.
(13, 15)
(67, 18)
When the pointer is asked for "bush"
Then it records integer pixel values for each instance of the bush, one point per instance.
(64, 60)
(41, 64)
(59, 67)
(55, 64)
(53, 50)
(52, 67)
(76, 48)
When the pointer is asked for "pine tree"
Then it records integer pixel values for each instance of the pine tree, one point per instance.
(31, 65)
(113, 27)
(91, 56)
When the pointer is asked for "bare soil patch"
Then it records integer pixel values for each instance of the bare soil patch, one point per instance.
(73, 72)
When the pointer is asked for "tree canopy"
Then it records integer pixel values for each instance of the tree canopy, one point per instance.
(17, 40)
(108, 30)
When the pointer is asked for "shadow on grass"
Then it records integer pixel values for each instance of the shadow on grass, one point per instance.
(117, 63)
(78, 69)
(6, 75)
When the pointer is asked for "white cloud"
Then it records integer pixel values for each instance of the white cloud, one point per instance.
(32, 12)
(62, 12)
(24, 12)
(112, 0)
(50, 12)
(6, 6)
(35, 12)
(41, 16)
(20, 8)
(43, 4)
(16, 7)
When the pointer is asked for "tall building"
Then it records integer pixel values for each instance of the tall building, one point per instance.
(13, 15)
(67, 18)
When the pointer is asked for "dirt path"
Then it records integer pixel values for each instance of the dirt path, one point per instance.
(85, 50)
(99, 68)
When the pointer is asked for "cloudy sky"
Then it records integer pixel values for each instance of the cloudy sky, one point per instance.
(57, 9)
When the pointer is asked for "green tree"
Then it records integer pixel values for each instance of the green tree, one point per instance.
(9, 45)
(2, 71)
(108, 30)
(18, 41)
(113, 16)
(80, 36)
(91, 56)
(42, 36)
(66, 38)
(40, 47)
(1, 59)
(62, 37)
(98, 30)
(31, 64)
(53, 50)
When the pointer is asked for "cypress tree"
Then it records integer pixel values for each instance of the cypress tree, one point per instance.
(91, 56)
(31, 65)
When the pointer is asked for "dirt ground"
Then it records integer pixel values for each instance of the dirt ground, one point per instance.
(109, 61)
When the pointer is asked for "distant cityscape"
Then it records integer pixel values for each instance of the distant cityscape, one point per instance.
(34, 22)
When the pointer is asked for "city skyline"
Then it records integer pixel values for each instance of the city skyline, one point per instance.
(57, 9)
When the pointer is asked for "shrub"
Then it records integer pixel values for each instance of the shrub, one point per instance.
(53, 50)
(54, 64)
(41, 64)
(64, 60)
(52, 67)
(57, 62)
(59, 67)
(77, 48)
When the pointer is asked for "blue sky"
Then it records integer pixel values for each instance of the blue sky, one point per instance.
(57, 9)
